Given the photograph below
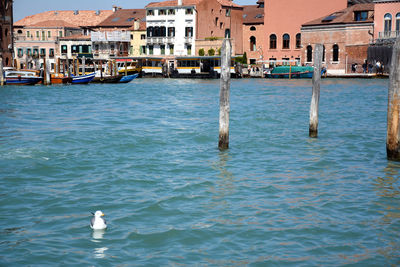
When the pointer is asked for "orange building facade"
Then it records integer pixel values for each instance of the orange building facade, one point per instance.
(282, 23)
(253, 32)
(387, 19)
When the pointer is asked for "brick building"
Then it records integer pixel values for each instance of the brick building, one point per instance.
(345, 34)
(6, 32)
(253, 31)
(283, 20)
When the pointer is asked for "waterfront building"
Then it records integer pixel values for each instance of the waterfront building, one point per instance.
(282, 23)
(120, 34)
(345, 35)
(6, 32)
(253, 31)
(37, 37)
(185, 27)
(386, 20)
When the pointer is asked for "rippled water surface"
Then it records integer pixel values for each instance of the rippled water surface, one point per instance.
(146, 154)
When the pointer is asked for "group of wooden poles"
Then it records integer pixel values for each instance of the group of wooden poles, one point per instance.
(393, 115)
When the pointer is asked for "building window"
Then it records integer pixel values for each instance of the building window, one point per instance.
(150, 12)
(227, 33)
(171, 31)
(388, 23)
(189, 50)
(189, 11)
(162, 12)
(29, 52)
(335, 57)
(150, 32)
(64, 49)
(36, 52)
(151, 50)
(143, 49)
(309, 53)
(42, 52)
(43, 36)
(60, 34)
(171, 11)
(143, 37)
(398, 23)
(75, 48)
(37, 34)
(228, 12)
(253, 45)
(360, 15)
(49, 34)
(163, 31)
(20, 52)
(286, 41)
(272, 41)
(51, 52)
(323, 53)
(28, 34)
(298, 40)
(252, 28)
(189, 32)
(171, 49)
(162, 48)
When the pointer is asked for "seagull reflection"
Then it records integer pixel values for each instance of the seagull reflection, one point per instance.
(99, 253)
(97, 236)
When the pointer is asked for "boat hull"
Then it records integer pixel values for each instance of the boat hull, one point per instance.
(128, 78)
(23, 80)
(83, 79)
(291, 72)
(107, 79)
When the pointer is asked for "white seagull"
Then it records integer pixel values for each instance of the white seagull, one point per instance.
(98, 223)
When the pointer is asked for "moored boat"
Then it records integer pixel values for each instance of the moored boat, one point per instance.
(82, 79)
(60, 79)
(21, 77)
(128, 78)
(294, 72)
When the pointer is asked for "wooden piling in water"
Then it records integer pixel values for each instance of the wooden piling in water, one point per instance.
(44, 72)
(393, 116)
(316, 81)
(48, 81)
(58, 65)
(83, 65)
(224, 102)
(126, 68)
(1, 72)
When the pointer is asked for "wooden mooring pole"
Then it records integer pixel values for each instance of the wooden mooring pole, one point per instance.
(316, 81)
(83, 65)
(48, 67)
(224, 102)
(45, 82)
(1, 72)
(393, 116)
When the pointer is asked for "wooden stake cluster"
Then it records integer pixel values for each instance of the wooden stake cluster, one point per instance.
(1, 72)
(224, 102)
(316, 81)
(393, 116)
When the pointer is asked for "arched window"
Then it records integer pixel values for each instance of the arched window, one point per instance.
(156, 31)
(298, 40)
(227, 33)
(286, 41)
(335, 53)
(323, 53)
(149, 31)
(252, 28)
(253, 44)
(272, 41)
(388, 23)
(309, 53)
(398, 23)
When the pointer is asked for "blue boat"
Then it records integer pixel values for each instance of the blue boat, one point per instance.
(128, 78)
(83, 78)
(294, 72)
(21, 77)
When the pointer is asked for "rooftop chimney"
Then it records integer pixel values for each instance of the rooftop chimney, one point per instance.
(98, 12)
(76, 12)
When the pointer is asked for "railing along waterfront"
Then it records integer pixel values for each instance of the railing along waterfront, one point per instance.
(389, 35)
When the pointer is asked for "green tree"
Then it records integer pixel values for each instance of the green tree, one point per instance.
(201, 52)
(211, 52)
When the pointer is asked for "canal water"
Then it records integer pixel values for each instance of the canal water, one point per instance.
(145, 153)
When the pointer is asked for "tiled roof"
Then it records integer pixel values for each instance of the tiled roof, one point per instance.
(188, 3)
(54, 23)
(123, 18)
(83, 18)
(253, 15)
(344, 16)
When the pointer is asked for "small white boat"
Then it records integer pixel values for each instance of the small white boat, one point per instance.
(21, 77)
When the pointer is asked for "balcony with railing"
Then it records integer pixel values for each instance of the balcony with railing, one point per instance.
(389, 35)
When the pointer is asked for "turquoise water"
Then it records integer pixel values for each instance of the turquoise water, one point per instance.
(145, 153)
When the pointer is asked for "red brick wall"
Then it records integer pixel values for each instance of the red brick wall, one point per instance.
(6, 32)
(259, 35)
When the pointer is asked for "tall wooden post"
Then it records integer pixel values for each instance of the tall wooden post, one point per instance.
(101, 69)
(58, 65)
(68, 68)
(115, 68)
(126, 68)
(44, 72)
(47, 72)
(316, 81)
(1, 72)
(224, 103)
(76, 67)
(393, 116)
(83, 65)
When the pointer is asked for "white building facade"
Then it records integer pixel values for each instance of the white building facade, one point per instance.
(171, 30)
